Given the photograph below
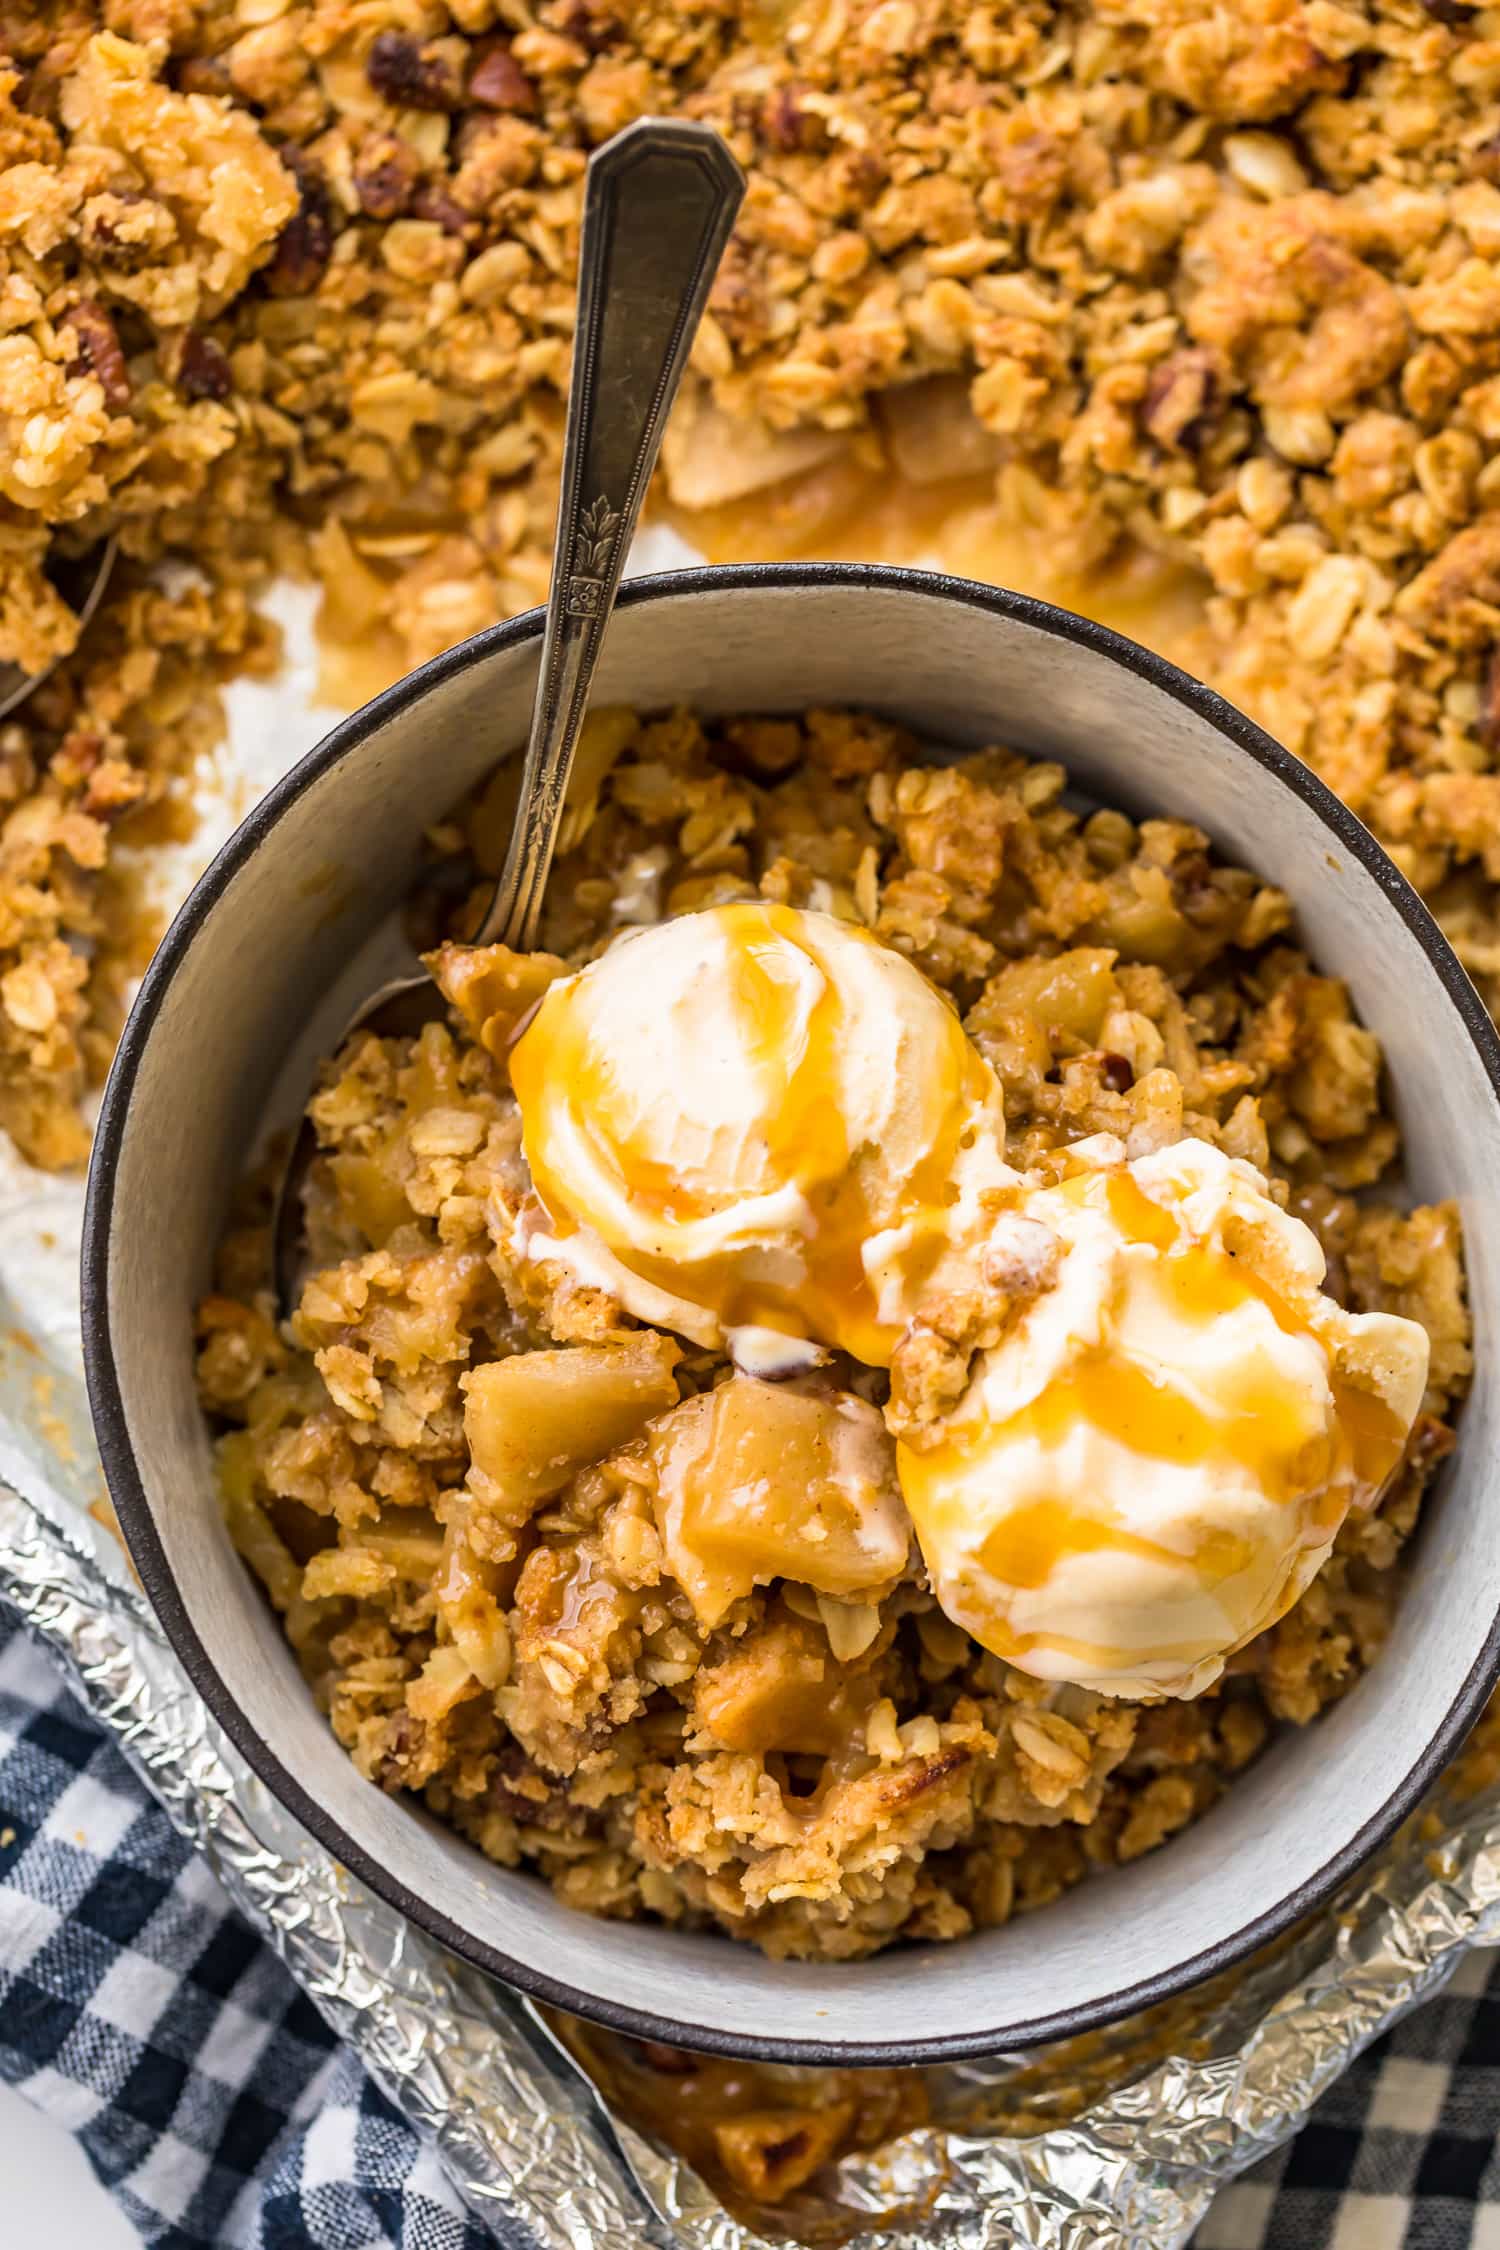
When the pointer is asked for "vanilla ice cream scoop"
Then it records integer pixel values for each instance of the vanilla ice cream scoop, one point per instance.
(723, 1113)
(1152, 1464)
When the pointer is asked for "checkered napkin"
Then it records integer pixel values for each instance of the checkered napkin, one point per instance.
(1401, 2154)
(140, 2011)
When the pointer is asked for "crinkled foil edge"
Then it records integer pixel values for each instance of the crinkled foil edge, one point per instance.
(527, 2142)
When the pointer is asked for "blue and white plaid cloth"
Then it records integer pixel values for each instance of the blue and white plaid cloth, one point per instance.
(141, 2012)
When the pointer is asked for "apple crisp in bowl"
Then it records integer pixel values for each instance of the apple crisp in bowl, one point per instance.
(623, 1583)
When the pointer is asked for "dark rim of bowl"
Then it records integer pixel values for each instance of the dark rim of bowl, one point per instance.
(129, 1496)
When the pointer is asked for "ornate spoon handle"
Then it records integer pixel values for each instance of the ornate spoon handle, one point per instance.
(659, 202)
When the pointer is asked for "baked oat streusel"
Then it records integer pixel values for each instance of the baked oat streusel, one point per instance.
(288, 283)
(451, 1480)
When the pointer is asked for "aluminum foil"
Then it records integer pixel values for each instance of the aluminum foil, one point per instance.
(1114, 2143)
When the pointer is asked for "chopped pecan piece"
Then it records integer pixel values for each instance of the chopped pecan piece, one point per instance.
(400, 1752)
(203, 368)
(529, 1797)
(592, 23)
(785, 124)
(433, 202)
(386, 174)
(97, 351)
(411, 75)
(305, 244)
(498, 82)
(200, 74)
(1180, 398)
(125, 228)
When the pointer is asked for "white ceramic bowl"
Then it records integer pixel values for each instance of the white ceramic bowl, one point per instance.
(254, 980)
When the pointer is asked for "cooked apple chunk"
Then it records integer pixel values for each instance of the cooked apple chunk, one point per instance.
(757, 1481)
(781, 1689)
(533, 1421)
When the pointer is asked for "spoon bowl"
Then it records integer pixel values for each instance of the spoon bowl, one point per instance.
(80, 580)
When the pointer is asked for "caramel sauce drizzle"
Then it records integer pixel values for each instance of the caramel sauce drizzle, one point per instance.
(1255, 1420)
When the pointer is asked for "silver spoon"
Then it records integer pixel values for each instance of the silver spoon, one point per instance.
(81, 580)
(659, 202)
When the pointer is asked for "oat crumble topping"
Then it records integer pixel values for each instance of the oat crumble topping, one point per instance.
(287, 285)
(448, 1473)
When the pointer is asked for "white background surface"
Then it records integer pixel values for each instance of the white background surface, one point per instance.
(50, 2198)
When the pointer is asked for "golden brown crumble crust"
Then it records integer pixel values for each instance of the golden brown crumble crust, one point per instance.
(484, 1599)
(286, 284)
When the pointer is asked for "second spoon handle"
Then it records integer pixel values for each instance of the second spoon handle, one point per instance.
(659, 202)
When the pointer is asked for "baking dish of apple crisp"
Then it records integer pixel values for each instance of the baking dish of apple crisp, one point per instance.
(634, 1601)
(287, 288)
